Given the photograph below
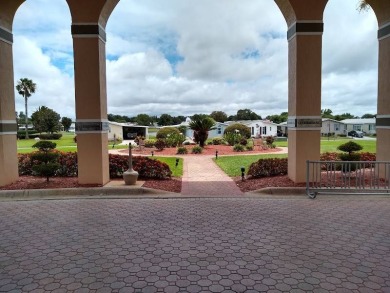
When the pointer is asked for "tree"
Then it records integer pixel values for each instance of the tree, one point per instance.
(165, 119)
(367, 115)
(144, 119)
(363, 5)
(278, 118)
(25, 88)
(46, 120)
(344, 116)
(201, 127)
(219, 116)
(47, 160)
(327, 113)
(247, 114)
(66, 122)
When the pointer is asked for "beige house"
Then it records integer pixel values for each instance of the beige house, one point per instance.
(367, 125)
(333, 127)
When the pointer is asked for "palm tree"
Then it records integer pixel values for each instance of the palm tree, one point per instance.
(25, 88)
(363, 5)
(201, 127)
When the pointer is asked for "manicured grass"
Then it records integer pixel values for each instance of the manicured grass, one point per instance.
(331, 144)
(231, 165)
(171, 161)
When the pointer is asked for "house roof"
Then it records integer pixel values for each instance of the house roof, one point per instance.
(359, 121)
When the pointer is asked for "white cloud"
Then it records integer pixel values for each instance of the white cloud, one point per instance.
(55, 88)
(176, 57)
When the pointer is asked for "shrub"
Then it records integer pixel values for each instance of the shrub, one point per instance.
(150, 143)
(21, 134)
(197, 150)
(52, 136)
(249, 147)
(328, 156)
(232, 138)
(342, 135)
(146, 167)
(160, 144)
(243, 141)
(367, 157)
(218, 141)
(174, 139)
(45, 160)
(268, 167)
(68, 164)
(75, 138)
(238, 148)
(182, 151)
(269, 141)
(163, 132)
(350, 147)
(243, 130)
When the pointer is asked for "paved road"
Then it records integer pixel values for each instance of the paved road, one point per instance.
(195, 245)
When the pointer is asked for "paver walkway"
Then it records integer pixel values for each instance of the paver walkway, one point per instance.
(201, 176)
(195, 245)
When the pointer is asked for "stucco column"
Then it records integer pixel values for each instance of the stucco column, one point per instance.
(89, 19)
(91, 102)
(8, 124)
(382, 10)
(304, 35)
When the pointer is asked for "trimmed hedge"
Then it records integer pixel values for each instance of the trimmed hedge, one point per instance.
(21, 134)
(268, 167)
(147, 168)
(52, 136)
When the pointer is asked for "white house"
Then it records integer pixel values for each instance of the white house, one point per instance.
(367, 125)
(126, 131)
(333, 127)
(261, 127)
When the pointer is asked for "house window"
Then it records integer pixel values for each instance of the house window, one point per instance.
(253, 130)
(357, 127)
(371, 126)
(264, 130)
(270, 129)
(219, 129)
(336, 127)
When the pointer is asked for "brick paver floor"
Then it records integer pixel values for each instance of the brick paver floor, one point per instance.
(195, 245)
(201, 176)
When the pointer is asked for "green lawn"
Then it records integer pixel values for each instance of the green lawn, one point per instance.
(231, 165)
(171, 161)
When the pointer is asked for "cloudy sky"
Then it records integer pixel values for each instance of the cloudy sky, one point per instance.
(183, 57)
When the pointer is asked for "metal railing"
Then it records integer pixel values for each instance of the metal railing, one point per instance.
(347, 177)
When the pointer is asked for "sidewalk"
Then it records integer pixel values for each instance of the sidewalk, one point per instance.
(201, 176)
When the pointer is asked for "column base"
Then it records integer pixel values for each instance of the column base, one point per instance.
(303, 145)
(92, 157)
(8, 159)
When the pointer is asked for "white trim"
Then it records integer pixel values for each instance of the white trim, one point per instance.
(91, 36)
(304, 117)
(385, 25)
(92, 132)
(91, 120)
(8, 133)
(377, 116)
(7, 30)
(7, 122)
(5, 41)
(304, 129)
(382, 38)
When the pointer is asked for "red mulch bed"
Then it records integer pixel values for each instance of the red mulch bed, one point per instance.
(207, 150)
(172, 185)
(259, 183)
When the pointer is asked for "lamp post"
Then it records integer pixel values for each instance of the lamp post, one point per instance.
(130, 176)
(216, 154)
(242, 173)
(177, 162)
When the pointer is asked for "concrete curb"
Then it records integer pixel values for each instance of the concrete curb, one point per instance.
(94, 192)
